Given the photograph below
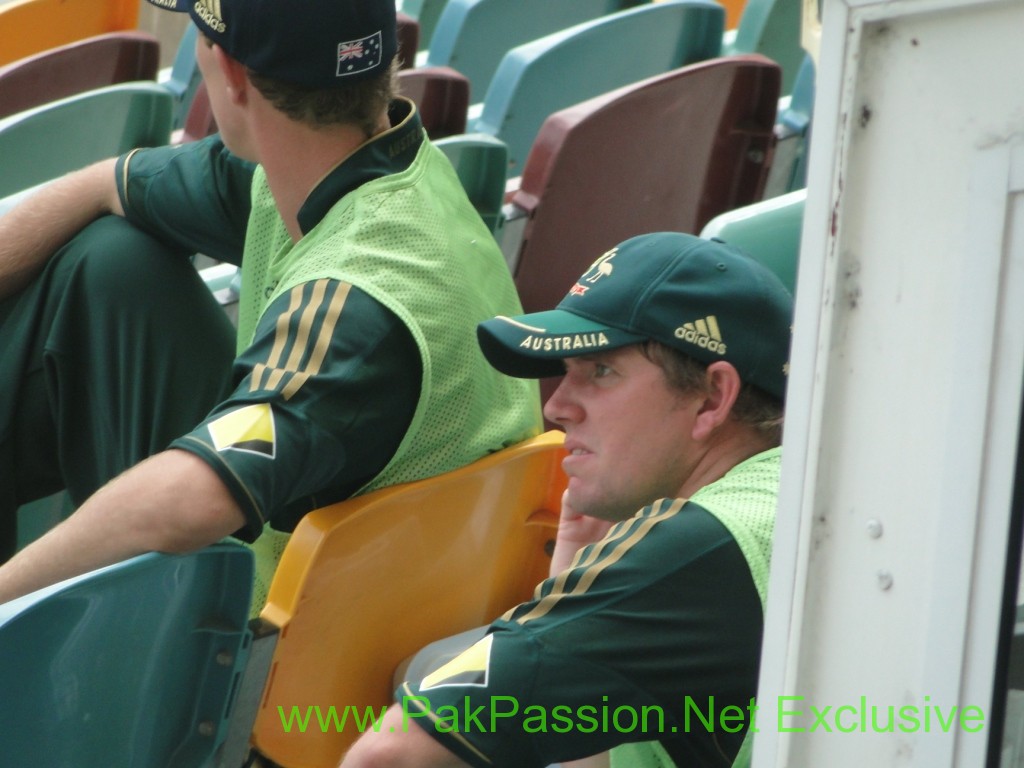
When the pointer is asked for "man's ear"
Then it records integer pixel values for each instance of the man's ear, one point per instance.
(235, 77)
(723, 386)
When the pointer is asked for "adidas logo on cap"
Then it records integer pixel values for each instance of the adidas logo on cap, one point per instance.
(703, 333)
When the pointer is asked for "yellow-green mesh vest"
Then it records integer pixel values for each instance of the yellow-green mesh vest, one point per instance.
(744, 501)
(441, 275)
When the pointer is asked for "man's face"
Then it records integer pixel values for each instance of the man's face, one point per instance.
(628, 433)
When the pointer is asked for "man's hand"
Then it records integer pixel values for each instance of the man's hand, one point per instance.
(575, 531)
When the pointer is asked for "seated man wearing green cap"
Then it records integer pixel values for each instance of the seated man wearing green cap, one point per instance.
(365, 271)
(646, 639)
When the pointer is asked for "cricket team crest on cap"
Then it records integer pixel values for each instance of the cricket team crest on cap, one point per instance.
(359, 55)
(470, 667)
(249, 429)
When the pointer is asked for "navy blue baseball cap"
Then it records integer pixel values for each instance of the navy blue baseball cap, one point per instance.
(709, 300)
(312, 43)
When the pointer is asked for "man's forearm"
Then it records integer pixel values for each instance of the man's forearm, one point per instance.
(172, 502)
(34, 229)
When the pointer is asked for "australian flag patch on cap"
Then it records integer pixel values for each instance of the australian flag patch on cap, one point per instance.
(359, 55)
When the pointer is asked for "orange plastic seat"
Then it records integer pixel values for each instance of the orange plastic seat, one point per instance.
(28, 27)
(367, 582)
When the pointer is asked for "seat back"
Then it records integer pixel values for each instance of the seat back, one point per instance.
(184, 76)
(408, 32)
(86, 127)
(472, 35)
(665, 154)
(769, 231)
(114, 57)
(365, 583)
(426, 13)
(28, 27)
(133, 664)
(771, 28)
(793, 135)
(479, 161)
(442, 96)
(541, 77)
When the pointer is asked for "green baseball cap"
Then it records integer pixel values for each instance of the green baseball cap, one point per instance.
(709, 300)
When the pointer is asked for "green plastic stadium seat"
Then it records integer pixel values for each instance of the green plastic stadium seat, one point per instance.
(426, 13)
(183, 77)
(771, 28)
(28, 27)
(558, 70)
(134, 664)
(471, 36)
(48, 141)
(793, 135)
(769, 231)
(114, 57)
(480, 162)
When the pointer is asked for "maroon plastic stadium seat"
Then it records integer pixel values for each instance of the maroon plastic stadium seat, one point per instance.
(408, 40)
(108, 59)
(666, 153)
(442, 96)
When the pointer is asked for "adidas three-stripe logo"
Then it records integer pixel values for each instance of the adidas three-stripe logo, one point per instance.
(704, 333)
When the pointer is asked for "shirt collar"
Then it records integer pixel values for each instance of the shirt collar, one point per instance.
(386, 153)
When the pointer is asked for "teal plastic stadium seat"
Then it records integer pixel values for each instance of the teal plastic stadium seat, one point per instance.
(479, 162)
(45, 142)
(793, 135)
(769, 231)
(184, 76)
(539, 78)
(426, 13)
(131, 665)
(771, 28)
(471, 36)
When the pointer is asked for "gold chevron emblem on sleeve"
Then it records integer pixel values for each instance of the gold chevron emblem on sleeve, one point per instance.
(468, 668)
(249, 428)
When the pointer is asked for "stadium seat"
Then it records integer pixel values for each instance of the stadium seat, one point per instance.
(793, 135)
(86, 127)
(665, 154)
(134, 664)
(426, 13)
(480, 162)
(564, 68)
(408, 40)
(365, 583)
(769, 230)
(183, 77)
(28, 27)
(107, 59)
(771, 28)
(442, 96)
(472, 35)
(199, 122)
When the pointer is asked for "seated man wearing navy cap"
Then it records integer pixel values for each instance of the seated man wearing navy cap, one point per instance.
(365, 271)
(646, 638)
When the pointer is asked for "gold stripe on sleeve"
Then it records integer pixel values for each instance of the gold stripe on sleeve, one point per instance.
(595, 566)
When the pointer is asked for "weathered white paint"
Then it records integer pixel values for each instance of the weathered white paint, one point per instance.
(906, 381)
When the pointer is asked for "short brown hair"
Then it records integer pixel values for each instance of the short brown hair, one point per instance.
(360, 103)
(753, 407)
